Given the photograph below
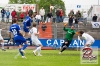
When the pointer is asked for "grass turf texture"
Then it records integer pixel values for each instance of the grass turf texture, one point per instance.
(49, 58)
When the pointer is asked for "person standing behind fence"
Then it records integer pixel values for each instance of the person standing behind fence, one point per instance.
(13, 14)
(42, 13)
(85, 17)
(7, 16)
(61, 15)
(94, 18)
(49, 17)
(70, 21)
(58, 16)
(38, 18)
(21, 16)
(3, 14)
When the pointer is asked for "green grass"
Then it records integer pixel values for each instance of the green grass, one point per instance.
(49, 58)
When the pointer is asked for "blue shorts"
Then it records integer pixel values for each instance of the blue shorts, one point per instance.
(19, 40)
(26, 29)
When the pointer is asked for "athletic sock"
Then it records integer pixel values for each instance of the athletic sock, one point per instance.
(21, 52)
(36, 49)
(2, 45)
(63, 48)
(24, 46)
(39, 50)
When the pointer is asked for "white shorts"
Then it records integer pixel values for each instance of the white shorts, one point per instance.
(36, 42)
(1, 38)
(90, 42)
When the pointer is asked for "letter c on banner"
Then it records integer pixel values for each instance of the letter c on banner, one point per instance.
(48, 42)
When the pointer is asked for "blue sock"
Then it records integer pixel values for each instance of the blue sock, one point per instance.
(21, 52)
(24, 46)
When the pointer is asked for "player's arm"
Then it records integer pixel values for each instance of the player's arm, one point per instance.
(65, 29)
(20, 31)
(36, 33)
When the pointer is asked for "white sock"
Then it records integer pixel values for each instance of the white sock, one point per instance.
(36, 49)
(39, 50)
(2, 45)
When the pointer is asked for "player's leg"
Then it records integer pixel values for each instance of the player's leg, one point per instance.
(26, 32)
(2, 43)
(23, 40)
(65, 45)
(39, 46)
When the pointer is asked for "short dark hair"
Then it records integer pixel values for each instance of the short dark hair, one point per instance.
(34, 24)
(81, 32)
(14, 21)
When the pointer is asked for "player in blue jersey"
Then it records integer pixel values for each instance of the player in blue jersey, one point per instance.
(18, 37)
(27, 23)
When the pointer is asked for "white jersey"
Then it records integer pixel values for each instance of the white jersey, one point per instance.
(34, 37)
(32, 32)
(89, 39)
(0, 31)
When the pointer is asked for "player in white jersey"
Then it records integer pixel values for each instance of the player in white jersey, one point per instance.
(2, 40)
(34, 37)
(89, 39)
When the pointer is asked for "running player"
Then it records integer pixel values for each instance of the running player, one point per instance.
(2, 40)
(68, 38)
(26, 24)
(34, 37)
(18, 37)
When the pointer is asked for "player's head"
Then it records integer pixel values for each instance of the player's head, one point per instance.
(81, 32)
(14, 21)
(72, 27)
(30, 15)
(34, 24)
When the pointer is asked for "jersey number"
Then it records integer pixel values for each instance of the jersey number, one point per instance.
(14, 31)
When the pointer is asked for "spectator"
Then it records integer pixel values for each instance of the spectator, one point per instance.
(13, 14)
(94, 18)
(61, 15)
(43, 26)
(38, 18)
(58, 15)
(71, 13)
(30, 12)
(85, 17)
(21, 16)
(76, 23)
(49, 17)
(70, 21)
(42, 13)
(7, 16)
(3, 14)
(78, 15)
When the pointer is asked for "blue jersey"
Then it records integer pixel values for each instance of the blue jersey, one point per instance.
(18, 38)
(27, 22)
(15, 28)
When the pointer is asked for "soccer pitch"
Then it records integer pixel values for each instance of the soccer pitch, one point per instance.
(49, 58)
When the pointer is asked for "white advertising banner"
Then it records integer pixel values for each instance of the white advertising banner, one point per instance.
(95, 24)
(18, 7)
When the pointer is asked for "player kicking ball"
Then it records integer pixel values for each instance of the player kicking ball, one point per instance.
(34, 37)
(18, 37)
(2, 40)
(70, 32)
(89, 41)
